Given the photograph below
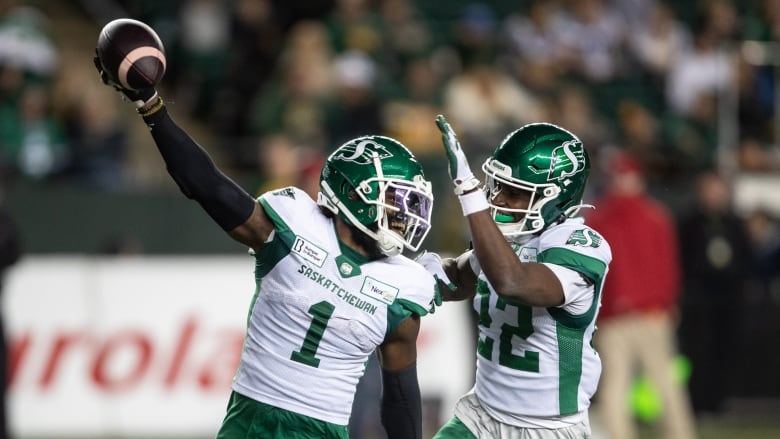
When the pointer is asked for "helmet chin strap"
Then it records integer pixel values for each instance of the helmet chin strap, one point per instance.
(573, 210)
(389, 243)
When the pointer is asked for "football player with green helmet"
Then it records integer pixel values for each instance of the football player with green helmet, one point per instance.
(534, 274)
(332, 283)
(375, 184)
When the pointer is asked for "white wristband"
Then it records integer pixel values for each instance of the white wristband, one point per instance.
(473, 202)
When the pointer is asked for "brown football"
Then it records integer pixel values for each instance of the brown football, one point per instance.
(131, 53)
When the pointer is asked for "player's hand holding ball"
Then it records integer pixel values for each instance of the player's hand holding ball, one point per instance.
(130, 57)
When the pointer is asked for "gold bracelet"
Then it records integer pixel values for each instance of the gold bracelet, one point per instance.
(153, 109)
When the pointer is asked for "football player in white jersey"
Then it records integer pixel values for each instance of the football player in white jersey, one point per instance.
(534, 275)
(332, 284)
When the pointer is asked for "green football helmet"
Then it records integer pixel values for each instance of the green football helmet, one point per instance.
(375, 184)
(545, 160)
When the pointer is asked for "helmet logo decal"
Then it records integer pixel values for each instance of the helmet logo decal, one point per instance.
(362, 152)
(567, 160)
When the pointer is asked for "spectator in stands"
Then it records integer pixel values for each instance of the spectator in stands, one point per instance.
(407, 114)
(355, 25)
(353, 109)
(754, 156)
(659, 41)
(692, 137)
(282, 162)
(593, 37)
(755, 89)
(639, 131)
(31, 138)
(762, 22)
(293, 99)
(532, 40)
(406, 34)
(278, 161)
(574, 110)
(755, 372)
(702, 70)
(255, 42)
(98, 143)
(764, 231)
(716, 255)
(639, 301)
(482, 101)
(26, 43)
(204, 46)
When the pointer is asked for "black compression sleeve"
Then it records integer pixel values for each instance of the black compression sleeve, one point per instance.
(197, 176)
(401, 404)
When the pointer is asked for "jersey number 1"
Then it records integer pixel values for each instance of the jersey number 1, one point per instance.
(321, 313)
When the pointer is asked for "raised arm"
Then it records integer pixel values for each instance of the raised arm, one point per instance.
(528, 282)
(195, 173)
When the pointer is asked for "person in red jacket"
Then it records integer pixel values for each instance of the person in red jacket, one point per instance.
(636, 323)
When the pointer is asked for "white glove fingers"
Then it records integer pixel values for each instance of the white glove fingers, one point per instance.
(432, 262)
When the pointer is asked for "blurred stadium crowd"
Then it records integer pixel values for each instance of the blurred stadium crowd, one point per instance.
(274, 85)
(279, 83)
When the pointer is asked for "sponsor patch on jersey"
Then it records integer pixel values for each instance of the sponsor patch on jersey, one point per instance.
(584, 238)
(528, 254)
(309, 251)
(379, 290)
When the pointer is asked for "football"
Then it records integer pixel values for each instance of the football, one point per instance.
(131, 53)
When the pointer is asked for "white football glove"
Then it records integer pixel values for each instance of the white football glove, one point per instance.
(459, 169)
(432, 262)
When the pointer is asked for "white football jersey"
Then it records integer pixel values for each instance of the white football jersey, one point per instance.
(537, 362)
(320, 310)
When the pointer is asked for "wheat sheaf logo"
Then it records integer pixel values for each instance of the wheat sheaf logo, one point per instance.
(567, 160)
(362, 152)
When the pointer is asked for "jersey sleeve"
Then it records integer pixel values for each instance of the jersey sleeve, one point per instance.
(579, 248)
(578, 292)
(286, 206)
(421, 299)
(416, 295)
